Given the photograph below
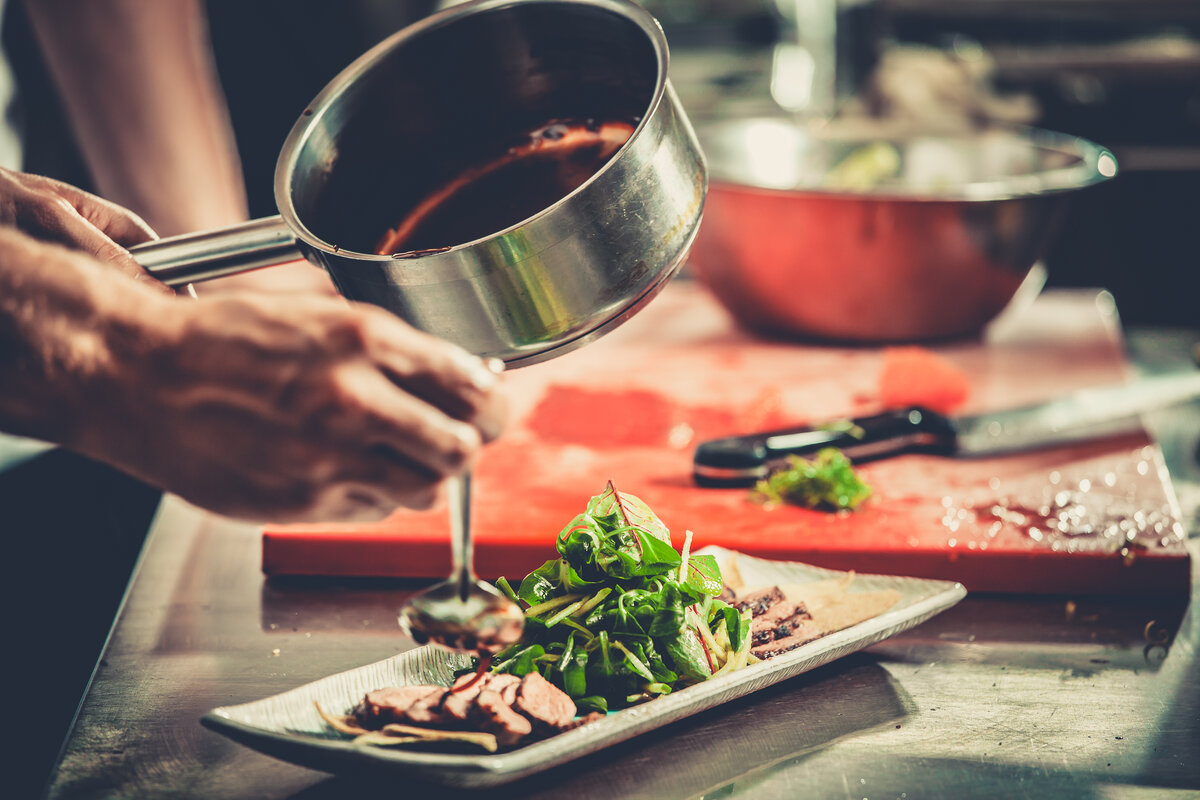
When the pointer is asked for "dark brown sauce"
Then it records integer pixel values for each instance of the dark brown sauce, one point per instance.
(554, 161)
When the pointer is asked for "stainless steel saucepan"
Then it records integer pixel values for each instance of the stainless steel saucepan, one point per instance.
(433, 100)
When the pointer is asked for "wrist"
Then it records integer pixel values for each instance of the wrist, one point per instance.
(138, 330)
(71, 328)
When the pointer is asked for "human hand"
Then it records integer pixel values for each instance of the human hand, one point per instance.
(299, 408)
(267, 407)
(299, 276)
(57, 212)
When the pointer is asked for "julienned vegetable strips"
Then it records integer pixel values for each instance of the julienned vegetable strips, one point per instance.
(622, 616)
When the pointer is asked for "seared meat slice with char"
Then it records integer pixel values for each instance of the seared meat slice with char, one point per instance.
(427, 710)
(760, 601)
(497, 717)
(777, 624)
(506, 686)
(761, 636)
(460, 703)
(789, 636)
(579, 723)
(385, 706)
(511, 708)
(545, 704)
(780, 612)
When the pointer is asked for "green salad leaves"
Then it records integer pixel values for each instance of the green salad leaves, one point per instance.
(621, 616)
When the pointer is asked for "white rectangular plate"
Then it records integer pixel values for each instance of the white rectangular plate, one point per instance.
(288, 727)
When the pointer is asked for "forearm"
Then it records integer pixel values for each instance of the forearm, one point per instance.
(140, 88)
(67, 325)
(288, 408)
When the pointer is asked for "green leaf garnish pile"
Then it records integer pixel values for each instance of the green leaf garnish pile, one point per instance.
(621, 616)
(827, 481)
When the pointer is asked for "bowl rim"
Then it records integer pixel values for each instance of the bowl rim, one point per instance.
(1096, 164)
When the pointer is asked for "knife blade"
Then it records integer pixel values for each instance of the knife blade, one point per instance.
(1081, 415)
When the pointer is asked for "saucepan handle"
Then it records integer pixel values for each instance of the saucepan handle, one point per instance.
(194, 257)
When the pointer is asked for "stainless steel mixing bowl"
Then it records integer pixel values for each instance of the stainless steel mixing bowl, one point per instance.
(864, 240)
(437, 99)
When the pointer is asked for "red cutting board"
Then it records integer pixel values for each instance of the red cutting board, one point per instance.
(632, 406)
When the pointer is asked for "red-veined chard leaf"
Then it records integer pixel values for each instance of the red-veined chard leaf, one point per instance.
(704, 575)
(614, 510)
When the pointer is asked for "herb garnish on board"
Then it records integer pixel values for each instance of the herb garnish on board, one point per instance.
(621, 616)
(827, 481)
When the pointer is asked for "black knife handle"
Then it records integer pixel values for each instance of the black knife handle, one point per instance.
(743, 460)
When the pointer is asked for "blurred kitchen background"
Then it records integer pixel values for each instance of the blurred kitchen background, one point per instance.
(1123, 73)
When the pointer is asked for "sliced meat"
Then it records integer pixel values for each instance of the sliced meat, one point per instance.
(385, 706)
(459, 701)
(506, 686)
(771, 624)
(497, 717)
(543, 702)
(788, 627)
(777, 624)
(457, 706)
(579, 723)
(427, 710)
(761, 636)
(779, 612)
(760, 601)
(800, 631)
(469, 680)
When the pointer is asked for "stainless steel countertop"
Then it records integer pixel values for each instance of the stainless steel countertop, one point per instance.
(998, 697)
